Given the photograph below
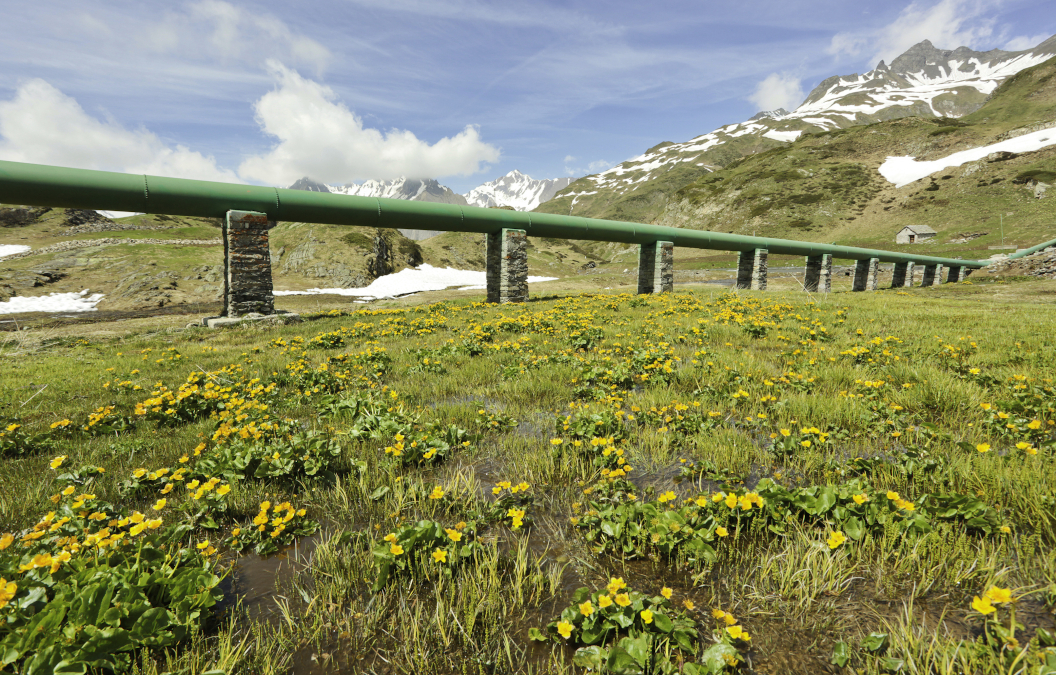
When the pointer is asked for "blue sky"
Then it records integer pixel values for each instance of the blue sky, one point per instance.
(345, 90)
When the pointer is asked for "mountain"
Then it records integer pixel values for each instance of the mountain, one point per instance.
(515, 189)
(922, 82)
(422, 190)
(309, 185)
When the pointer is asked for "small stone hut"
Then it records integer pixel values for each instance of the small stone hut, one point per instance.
(914, 234)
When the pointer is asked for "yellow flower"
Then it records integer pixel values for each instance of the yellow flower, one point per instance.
(68, 491)
(7, 591)
(454, 535)
(586, 609)
(731, 500)
(892, 495)
(604, 601)
(137, 530)
(57, 462)
(688, 604)
(647, 615)
(1034, 424)
(998, 595)
(623, 600)
(983, 606)
(734, 631)
(440, 556)
(860, 499)
(437, 493)
(717, 613)
(167, 489)
(729, 619)
(137, 517)
(1005, 529)
(160, 504)
(666, 592)
(396, 549)
(616, 585)
(5, 541)
(564, 628)
(836, 539)
(722, 531)
(983, 447)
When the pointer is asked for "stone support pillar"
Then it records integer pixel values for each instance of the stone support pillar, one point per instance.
(752, 269)
(929, 276)
(247, 264)
(956, 274)
(899, 274)
(656, 267)
(507, 266)
(818, 278)
(938, 275)
(866, 273)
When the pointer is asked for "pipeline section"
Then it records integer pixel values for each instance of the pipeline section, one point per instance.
(60, 187)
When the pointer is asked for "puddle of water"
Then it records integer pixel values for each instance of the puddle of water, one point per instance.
(256, 582)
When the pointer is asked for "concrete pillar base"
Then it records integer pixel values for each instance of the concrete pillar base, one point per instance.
(752, 269)
(956, 274)
(247, 265)
(818, 278)
(656, 267)
(507, 266)
(866, 274)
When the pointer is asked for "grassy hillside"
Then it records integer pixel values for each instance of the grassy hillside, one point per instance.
(161, 261)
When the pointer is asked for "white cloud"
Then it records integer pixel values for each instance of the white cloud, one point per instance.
(948, 24)
(42, 125)
(1022, 43)
(220, 30)
(778, 90)
(320, 137)
(596, 166)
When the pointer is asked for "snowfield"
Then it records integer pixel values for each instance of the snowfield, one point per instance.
(53, 302)
(410, 281)
(12, 249)
(905, 170)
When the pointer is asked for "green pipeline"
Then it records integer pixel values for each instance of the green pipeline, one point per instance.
(1033, 249)
(39, 185)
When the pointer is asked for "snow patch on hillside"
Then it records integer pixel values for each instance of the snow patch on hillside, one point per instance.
(53, 302)
(905, 170)
(410, 281)
(12, 249)
(787, 136)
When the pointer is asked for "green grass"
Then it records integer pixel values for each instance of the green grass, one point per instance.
(781, 580)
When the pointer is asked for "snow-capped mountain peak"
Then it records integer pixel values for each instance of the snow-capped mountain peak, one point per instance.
(516, 189)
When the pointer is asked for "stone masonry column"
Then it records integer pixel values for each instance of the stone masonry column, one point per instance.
(507, 266)
(956, 274)
(898, 275)
(247, 264)
(865, 274)
(818, 278)
(929, 276)
(759, 269)
(656, 267)
(745, 262)
(938, 275)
